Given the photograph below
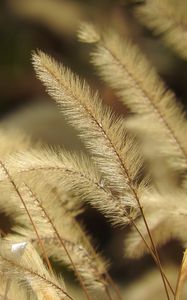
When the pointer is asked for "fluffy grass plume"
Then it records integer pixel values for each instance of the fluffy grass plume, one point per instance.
(134, 172)
(168, 20)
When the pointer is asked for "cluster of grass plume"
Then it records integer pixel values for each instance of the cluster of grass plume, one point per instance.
(135, 174)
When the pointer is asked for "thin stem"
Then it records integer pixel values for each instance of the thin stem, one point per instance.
(8, 283)
(108, 293)
(115, 288)
(177, 291)
(134, 192)
(176, 295)
(152, 251)
(150, 237)
(154, 257)
(147, 227)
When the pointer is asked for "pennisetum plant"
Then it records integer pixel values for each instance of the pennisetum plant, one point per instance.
(135, 174)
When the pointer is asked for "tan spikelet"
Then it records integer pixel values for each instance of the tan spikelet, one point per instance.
(68, 237)
(29, 267)
(90, 35)
(62, 229)
(125, 69)
(168, 19)
(103, 133)
(12, 141)
(76, 174)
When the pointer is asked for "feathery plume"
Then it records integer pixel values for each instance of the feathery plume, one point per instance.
(84, 184)
(103, 133)
(75, 174)
(90, 35)
(66, 89)
(67, 238)
(168, 20)
(15, 291)
(29, 269)
(126, 70)
(13, 141)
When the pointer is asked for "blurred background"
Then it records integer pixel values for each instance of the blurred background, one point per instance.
(51, 25)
